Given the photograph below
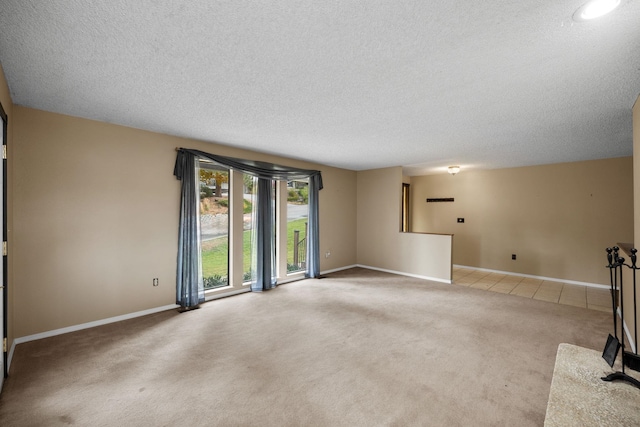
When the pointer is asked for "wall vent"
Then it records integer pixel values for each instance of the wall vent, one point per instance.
(445, 199)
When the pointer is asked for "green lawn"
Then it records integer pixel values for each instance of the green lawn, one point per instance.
(215, 252)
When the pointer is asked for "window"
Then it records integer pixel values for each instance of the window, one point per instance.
(250, 239)
(249, 188)
(216, 239)
(214, 225)
(297, 225)
(216, 217)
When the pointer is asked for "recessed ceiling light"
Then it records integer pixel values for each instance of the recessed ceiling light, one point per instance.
(594, 9)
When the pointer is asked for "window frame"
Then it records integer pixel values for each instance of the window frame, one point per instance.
(206, 164)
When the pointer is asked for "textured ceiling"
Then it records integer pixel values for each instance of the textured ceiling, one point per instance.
(355, 84)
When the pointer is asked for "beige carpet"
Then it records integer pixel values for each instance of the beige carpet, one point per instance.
(580, 398)
(359, 348)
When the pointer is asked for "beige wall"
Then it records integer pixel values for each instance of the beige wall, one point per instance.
(381, 244)
(95, 211)
(96, 214)
(557, 219)
(7, 104)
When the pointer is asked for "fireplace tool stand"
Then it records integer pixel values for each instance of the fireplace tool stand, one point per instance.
(629, 359)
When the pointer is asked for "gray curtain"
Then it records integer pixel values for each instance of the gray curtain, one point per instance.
(266, 172)
(189, 286)
(256, 168)
(265, 243)
(313, 232)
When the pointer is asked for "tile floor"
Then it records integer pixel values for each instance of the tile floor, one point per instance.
(543, 290)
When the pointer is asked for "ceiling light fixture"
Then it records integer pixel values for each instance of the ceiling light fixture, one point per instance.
(453, 169)
(594, 9)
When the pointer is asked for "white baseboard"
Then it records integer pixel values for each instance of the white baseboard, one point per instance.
(82, 326)
(88, 325)
(402, 273)
(338, 269)
(552, 279)
(10, 355)
(627, 332)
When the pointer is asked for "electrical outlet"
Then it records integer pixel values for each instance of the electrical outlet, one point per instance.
(327, 254)
(155, 281)
(513, 256)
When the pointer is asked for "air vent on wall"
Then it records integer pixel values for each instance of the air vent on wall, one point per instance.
(445, 199)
